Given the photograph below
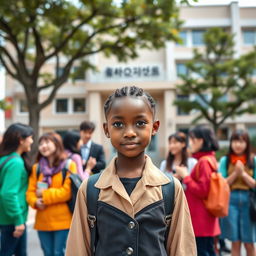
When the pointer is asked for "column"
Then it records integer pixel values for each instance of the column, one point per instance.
(95, 114)
(170, 62)
(236, 28)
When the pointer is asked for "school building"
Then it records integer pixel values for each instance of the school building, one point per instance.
(155, 71)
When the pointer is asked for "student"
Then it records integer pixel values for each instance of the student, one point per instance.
(48, 193)
(130, 189)
(203, 145)
(177, 156)
(240, 171)
(92, 154)
(14, 173)
(72, 144)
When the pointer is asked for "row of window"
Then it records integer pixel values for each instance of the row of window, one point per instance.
(196, 36)
(61, 105)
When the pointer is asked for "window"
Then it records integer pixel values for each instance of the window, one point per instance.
(198, 37)
(61, 106)
(181, 69)
(59, 72)
(23, 106)
(79, 105)
(79, 73)
(181, 112)
(183, 36)
(249, 37)
(222, 133)
(203, 102)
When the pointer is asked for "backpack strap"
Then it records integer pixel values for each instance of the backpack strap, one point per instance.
(168, 191)
(6, 160)
(92, 195)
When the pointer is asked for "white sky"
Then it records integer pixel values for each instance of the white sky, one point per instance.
(225, 2)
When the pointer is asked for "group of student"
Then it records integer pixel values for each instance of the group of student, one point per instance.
(131, 212)
(193, 168)
(42, 185)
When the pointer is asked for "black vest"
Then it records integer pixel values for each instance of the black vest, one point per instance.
(118, 234)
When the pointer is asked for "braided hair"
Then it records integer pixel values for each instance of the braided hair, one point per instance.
(129, 91)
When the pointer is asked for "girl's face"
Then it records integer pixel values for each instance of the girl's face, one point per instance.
(238, 146)
(25, 144)
(46, 148)
(175, 146)
(130, 125)
(195, 144)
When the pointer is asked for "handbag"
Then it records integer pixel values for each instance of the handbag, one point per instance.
(252, 208)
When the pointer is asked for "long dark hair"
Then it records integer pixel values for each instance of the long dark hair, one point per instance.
(210, 142)
(180, 137)
(70, 140)
(11, 141)
(59, 154)
(241, 135)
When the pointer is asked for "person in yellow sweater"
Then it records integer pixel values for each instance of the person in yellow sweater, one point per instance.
(48, 193)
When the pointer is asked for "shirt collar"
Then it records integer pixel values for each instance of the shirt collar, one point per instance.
(151, 175)
(88, 144)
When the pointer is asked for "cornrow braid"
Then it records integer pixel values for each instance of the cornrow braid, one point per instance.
(127, 91)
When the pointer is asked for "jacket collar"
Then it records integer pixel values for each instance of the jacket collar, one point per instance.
(151, 176)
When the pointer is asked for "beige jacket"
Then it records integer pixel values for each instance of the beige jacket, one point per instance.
(181, 240)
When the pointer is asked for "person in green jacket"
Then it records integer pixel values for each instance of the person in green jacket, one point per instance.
(14, 172)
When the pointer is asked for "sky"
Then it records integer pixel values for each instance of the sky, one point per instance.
(224, 2)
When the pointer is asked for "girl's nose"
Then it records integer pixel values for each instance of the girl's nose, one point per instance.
(129, 132)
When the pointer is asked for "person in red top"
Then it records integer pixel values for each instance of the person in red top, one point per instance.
(203, 145)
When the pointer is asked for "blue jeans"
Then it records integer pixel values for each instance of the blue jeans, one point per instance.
(10, 245)
(205, 246)
(53, 243)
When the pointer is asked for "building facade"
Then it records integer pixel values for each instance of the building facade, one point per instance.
(155, 71)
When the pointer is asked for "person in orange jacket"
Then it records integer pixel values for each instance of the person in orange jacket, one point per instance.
(48, 193)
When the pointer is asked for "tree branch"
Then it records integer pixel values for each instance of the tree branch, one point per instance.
(7, 68)
(10, 58)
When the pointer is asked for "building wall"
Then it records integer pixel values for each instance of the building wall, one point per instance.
(155, 71)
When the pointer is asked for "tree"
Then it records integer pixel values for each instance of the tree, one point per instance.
(38, 31)
(222, 85)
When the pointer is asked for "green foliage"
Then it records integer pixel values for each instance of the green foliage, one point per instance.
(38, 31)
(221, 152)
(226, 79)
(4, 105)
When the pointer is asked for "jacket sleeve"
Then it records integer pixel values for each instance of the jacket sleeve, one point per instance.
(181, 238)
(223, 167)
(61, 194)
(78, 242)
(198, 182)
(32, 186)
(10, 190)
(101, 162)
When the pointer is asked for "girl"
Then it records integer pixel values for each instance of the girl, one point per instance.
(14, 172)
(178, 155)
(48, 193)
(72, 144)
(240, 171)
(203, 143)
(130, 209)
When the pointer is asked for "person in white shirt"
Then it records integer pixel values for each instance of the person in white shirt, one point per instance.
(177, 155)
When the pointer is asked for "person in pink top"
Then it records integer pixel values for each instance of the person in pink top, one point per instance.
(203, 145)
(72, 144)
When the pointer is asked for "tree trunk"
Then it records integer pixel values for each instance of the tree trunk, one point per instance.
(34, 118)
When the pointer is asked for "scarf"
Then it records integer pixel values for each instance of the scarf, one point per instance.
(48, 171)
(235, 158)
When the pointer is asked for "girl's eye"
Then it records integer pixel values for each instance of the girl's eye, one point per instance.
(118, 124)
(140, 123)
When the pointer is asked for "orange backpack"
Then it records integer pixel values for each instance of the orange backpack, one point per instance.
(217, 202)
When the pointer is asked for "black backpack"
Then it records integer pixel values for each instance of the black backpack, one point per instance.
(92, 195)
(75, 183)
